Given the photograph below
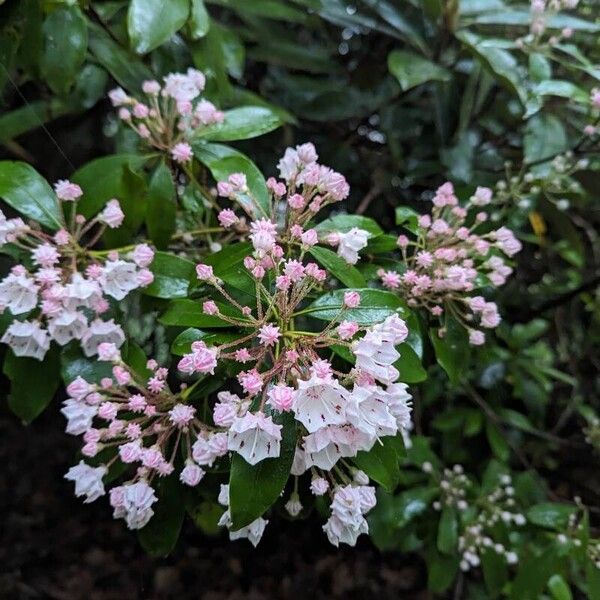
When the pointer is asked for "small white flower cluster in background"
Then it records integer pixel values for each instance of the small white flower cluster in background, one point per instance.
(63, 288)
(448, 260)
(541, 12)
(170, 115)
(453, 485)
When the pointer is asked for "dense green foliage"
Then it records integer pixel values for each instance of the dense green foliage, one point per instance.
(400, 97)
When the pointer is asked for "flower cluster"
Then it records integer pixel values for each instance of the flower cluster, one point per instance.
(62, 287)
(282, 378)
(449, 260)
(307, 188)
(169, 115)
(139, 421)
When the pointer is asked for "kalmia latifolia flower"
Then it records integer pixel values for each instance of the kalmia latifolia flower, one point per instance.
(66, 288)
(147, 427)
(449, 260)
(284, 374)
(169, 115)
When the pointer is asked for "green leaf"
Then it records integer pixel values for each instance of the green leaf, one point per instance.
(409, 365)
(497, 442)
(447, 537)
(160, 215)
(199, 20)
(408, 218)
(188, 313)
(441, 571)
(33, 383)
(412, 70)
(254, 488)
(242, 123)
(151, 23)
(344, 223)
(452, 350)
(182, 344)
(494, 570)
(382, 462)
(133, 199)
(592, 579)
(65, 45)
(124, 66)
(348, 274)
(160, 535)
(28, 192)
(545, 137)
(222, 161)
(551, 515)
(172, 276)
(375, 306)
(523, 17)
(498, 61)
(559, 588)
(13, 123)
(74, 364)
(102, 179)
(563, 89)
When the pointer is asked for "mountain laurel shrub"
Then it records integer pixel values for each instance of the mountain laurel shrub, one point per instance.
(333, 260)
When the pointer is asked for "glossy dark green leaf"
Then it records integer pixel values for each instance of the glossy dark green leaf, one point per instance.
(523, 17)
(441, 571)
(495, 572)
(65, 45)
(447, 536)
(559, 588)
(550, 514)
(74, 364)
(497, 442)
(344, 223)
(545, 137)
(160, 535)
(348, 274)
(254, 488)
(151, 23)
(33, 383)
(407, 217)
(382, 462)
(160, 215)
(28, 192)
(188, 313)
(409, 364)
(497, 60)
(126, 68)
(172, 276)
(452, 350)
(412, 70)
(375, 306)
(242, 123)
(182, 344)
(199, 20)
(102, 179)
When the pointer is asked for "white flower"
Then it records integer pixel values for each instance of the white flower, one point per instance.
(375, 354)
(19, 293)
(325, 446)
(27, 338)
(399, 404)
(252, 532)
(255, 437)
(136, 504)
(320, 402)
(340, 532)
(191, 474)
(81, 292)
(88, 480)
(350, 243)
(79, 416)
(119, 277)
(207, 449)
(67, 326)
(368, 411)
(9, 228)
(101, 331)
